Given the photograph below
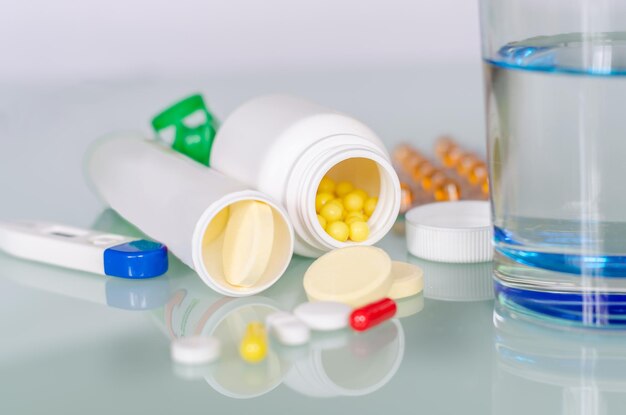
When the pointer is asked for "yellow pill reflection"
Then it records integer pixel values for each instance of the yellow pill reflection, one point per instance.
(332, 211)
(353, 202)
(321, 199)
(339, 231)
(370, 206)
(327, 185)
(343, 188)
(253, 348)
(359, 231)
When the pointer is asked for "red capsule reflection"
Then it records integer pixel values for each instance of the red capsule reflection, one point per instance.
(372, 314)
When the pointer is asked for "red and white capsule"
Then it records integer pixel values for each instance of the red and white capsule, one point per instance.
(372, 314)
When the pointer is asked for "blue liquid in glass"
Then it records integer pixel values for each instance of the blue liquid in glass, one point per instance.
(557, 145)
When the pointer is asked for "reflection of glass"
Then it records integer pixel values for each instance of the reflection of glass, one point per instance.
(114, 292)
(456, 282)
(349, 364)
(583, 369)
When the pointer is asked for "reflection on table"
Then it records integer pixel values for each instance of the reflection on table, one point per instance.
(456, 282)
(114, 292)
(565, 370)
(332, 364)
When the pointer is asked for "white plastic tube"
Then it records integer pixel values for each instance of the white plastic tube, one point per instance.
(173, 199)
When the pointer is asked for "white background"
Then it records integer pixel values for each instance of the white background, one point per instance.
(72, 71)
(94, 39)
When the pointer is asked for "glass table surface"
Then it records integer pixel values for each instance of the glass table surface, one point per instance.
(75, 343)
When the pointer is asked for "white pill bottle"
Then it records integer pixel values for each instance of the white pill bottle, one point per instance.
(283, 146)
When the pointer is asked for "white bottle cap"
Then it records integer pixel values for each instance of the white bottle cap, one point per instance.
(458, 232)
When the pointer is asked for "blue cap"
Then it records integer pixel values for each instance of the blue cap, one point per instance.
(136, 259)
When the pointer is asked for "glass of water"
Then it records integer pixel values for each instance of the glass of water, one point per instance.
(555, 88)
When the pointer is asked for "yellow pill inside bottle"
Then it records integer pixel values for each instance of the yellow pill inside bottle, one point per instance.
(361, 193)
(321, 199)
(359, 231)
(327, 185)
(332, 211)
(370, 206)
(343, 188)
(338, 230)
(355, 217)
(353, 202)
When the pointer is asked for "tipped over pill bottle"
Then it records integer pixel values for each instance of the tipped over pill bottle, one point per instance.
(284, 146)
(238, 240)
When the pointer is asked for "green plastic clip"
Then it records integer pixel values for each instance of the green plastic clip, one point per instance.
(188, 127)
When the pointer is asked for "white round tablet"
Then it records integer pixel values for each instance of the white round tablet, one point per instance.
(291, 332)
(324, 315)
(356, 275)
(408, 280)
(458, 232)
(195, 349)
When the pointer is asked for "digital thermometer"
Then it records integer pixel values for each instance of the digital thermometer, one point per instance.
(84, 250)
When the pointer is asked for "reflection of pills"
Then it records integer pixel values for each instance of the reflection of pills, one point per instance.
(291, 331)
(253, 347)
(195, 349)
(323, 315)
(277, 317)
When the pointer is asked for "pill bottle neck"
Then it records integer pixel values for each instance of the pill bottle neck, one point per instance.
(309, 170)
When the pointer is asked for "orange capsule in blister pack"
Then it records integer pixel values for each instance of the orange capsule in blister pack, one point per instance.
(478, 174)
(448, 191)
(434, 180)
(406, 197)
(443, 146)
(421, 168)
(426, 169)
(484, 187)
(466, 164)
(452, 157)
(412, 162)
(401, 153)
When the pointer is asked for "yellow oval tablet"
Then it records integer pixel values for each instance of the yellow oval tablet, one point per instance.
(355, 275)
(407, 280)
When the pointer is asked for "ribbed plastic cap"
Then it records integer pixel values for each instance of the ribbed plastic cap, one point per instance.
(458, 232)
